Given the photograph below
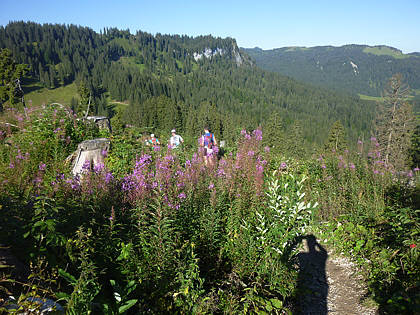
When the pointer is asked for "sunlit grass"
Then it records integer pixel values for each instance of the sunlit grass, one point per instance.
(42, 95)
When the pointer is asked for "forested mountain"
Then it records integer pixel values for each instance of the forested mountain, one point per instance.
(358, 69)
(181, 81)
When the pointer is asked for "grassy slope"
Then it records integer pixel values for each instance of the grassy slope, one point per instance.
(385, 51)
(41, 95)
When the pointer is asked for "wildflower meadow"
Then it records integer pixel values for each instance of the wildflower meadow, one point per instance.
(154, 230)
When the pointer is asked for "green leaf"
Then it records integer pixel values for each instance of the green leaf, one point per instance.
(62, 296)
(127, 305)
(268, 306)
(277, 303)
(67, 276)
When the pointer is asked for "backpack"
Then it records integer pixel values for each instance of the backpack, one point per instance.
(154, 141)
(208, 140)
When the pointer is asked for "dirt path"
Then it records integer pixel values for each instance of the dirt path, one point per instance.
(329, 283)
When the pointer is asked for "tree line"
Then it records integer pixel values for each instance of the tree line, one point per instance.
(166, 87)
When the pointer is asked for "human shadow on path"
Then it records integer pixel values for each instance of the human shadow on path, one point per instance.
(312, 281)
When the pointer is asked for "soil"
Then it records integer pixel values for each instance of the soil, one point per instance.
(329, 283)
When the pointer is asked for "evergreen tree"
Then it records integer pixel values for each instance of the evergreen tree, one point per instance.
(415, 146)
(85, 98)
(337, 139)
(395, 124)
(10, 75)
(273, 131)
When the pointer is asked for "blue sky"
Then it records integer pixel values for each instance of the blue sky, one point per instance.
(266, 24)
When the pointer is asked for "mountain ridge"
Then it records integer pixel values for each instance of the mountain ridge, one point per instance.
(167, 84)
(334, 67)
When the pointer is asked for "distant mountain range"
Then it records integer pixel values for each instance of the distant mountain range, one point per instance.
(358, 69)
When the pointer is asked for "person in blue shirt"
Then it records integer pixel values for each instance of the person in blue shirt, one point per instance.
(208, 141)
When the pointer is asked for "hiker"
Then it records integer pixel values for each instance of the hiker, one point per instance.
(176, 140)
(208, 141)
(153, 140)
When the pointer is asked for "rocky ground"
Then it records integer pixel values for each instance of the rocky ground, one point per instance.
(329, 283)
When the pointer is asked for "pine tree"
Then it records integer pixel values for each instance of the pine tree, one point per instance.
(10, 75)
(337, 139)
(273, 131)
(395, 124)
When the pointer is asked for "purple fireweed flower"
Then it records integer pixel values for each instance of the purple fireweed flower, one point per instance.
(346, 151)
(247, 137)
(211, 186)
(352, 166)
(416, 169)
(221, 172)
(410, 173)
(11, 165)
(259, 168)
(283, 165)
(340, 157)
(251, 153)
(373, 139)
(108, 177)
(187, 163)
(104, 153)
(258, 134)
(375, 172)
(376, 144)
(320, 159)
(359, 142)
(42, 166)
(57, 130)
(156, 148)
(323, 166)
(267, 149)
(182, 196)
(243, 132)
(86, 165)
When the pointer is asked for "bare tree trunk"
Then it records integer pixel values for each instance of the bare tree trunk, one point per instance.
(87, 111)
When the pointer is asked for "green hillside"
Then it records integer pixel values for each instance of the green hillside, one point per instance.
(41, 95)
(176, 81)
(357, 69)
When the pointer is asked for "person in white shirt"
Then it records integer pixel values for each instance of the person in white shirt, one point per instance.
(175, 140)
